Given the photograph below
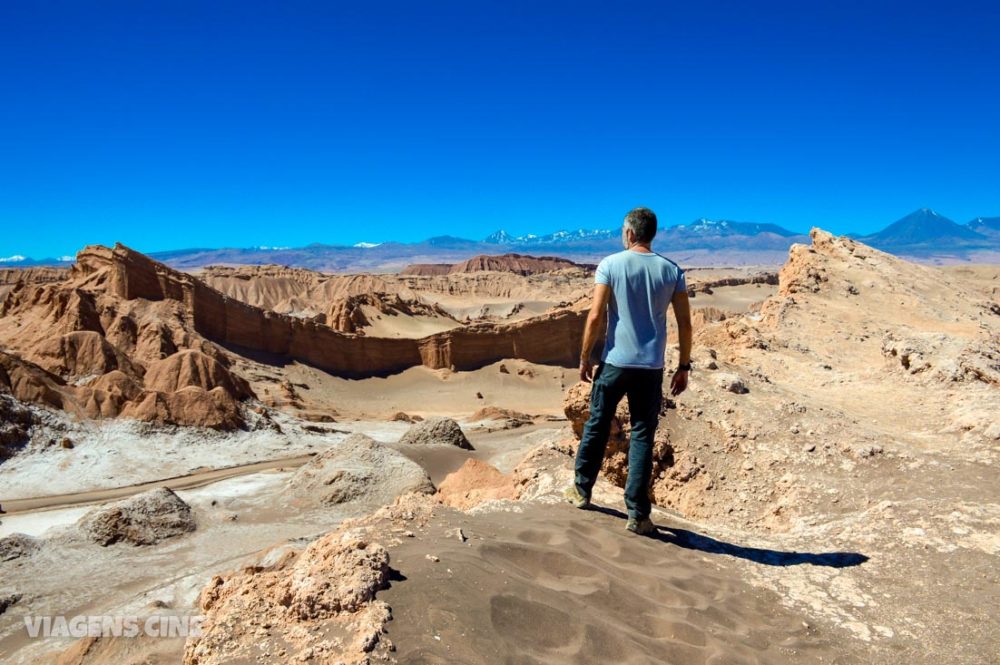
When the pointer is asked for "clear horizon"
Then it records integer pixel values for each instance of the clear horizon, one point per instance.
(177, 125)
(71, 257)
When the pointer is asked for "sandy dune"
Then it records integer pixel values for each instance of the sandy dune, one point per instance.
(549, 584)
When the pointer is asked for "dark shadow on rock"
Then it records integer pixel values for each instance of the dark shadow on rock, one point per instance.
(702, 543)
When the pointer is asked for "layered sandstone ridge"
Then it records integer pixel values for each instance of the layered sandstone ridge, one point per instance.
(228, 321)
(123, 335)
(308, 293)
(359, 314)
(9, 277)
(517, 264)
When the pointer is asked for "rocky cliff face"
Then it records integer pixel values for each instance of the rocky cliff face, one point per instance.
(309, 293)
(352, 314)
(39, 275)
(126, 335)
(545, 339)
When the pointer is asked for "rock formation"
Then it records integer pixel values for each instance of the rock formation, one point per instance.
(707, 286)
(315, 605)
(122, 335)
(131, 275)
(348, 314)
(436, 431)
(143, 519)
(10, 277)
(17, 545)
(357, 469)
(15, 420)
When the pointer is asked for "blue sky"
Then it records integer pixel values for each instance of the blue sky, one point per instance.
(179, 124)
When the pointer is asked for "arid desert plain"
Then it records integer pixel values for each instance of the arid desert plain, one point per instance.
(368, 468)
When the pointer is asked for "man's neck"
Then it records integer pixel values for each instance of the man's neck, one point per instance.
(640, 247)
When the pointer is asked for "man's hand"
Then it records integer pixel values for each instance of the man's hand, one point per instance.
(679, 382)
(586, 370)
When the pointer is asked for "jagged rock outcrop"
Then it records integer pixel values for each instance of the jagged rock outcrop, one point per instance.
(9, 277)
(707, 286)
(436, 431)
(82, 353)
(317, 605)
(143, 519)
(123, 335)
(544, 339)
(28, 382)
(17, 545)
(348, 314)
(15, 422)
(357, 469)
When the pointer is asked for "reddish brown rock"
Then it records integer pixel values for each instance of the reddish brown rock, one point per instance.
(348, 314)
(81, 353)
(193, 368)
(473, 483)
(191, 406)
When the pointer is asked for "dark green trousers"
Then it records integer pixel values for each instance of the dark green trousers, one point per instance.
(644, 390)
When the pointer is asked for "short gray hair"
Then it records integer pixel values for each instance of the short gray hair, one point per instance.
(642, 221)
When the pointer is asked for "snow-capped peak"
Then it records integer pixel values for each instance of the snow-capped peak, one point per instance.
(366, 245)
(500, 237)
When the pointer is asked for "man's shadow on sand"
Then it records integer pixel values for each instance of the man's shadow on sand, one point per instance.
(696, 541)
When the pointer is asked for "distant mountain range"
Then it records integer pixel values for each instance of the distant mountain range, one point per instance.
(927, 232)
(922, 235)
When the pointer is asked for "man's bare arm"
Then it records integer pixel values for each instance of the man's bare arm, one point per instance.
(592, 329)
(682, 312)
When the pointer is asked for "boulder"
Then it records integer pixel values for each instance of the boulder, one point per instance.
(441, 431)
(143, 519)
(357, 468)
(298, 600)
(17, 545)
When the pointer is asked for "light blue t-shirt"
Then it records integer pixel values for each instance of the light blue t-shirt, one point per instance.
(642, 286)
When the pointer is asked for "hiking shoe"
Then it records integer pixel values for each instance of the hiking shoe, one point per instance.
(573, 495)
(641, 525)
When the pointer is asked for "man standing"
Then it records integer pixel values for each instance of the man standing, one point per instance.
(635, 287)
